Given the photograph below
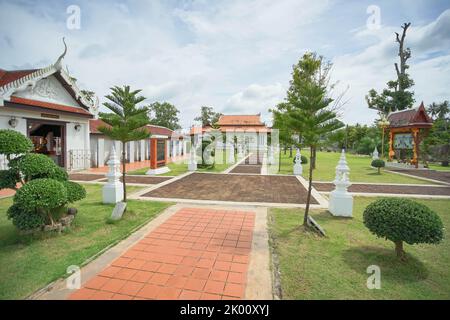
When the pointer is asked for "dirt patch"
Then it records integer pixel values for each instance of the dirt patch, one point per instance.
(240, 188)
(256, 169)
(430, 174)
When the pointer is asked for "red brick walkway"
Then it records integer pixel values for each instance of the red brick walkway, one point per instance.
(195, 254)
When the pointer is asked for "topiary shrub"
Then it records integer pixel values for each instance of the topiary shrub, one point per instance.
(14, 143)
(207, 146)
(42, 196)
(74, 191)
(303, 158)
(399, 219)
(34, 166)
(378, 163)
(25, 220)
(8, 179)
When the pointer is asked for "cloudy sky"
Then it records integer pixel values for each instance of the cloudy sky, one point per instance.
(235, 55)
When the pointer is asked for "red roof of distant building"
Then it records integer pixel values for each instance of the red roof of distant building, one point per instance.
(10, 76)
(50, 106)
(155, 130)
(240, 120)
(409, 118)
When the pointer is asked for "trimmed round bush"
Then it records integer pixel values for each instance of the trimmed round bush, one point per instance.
(41, 195)
(75, 191)
(35, 166)
(303, 158)
(8, 179)
(378, 163)
(57, 173)
(13, 142)
(25, 220)
(399, 219)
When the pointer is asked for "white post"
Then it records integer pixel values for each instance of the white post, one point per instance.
(131, 154)
(142, 149)
(298, 169)
(375, 154)
(231, 153)
(101, 152)
(341, 201)
(113, 189)
(271, 159)
(192, 165)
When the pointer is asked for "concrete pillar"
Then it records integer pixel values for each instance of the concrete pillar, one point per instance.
(113, 189)
(131, 149)
(100, 152)
(142, 149)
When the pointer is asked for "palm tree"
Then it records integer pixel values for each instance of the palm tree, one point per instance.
(308, 108)
(126, 122)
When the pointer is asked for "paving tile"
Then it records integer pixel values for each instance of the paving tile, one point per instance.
(196, 254)
(189, 295)
(214, 287)
(131, 288)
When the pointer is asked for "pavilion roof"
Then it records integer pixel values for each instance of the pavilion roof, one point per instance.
(240, 120)
(416, 117)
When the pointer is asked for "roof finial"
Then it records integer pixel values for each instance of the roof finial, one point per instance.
(58, 64)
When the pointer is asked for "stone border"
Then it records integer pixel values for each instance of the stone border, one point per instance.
(323, 203)
(385, 184)
(91, 267)
(401, 195)
(236, 203)
(259, 275)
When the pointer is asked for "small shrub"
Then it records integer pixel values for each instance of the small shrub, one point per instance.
(41, 195)
(75, 191)
(25, 220)
(14, 143)
(34, 166)
(399, 220)
(378, 163)
(8, 179)
(58, 173)
(303, 158)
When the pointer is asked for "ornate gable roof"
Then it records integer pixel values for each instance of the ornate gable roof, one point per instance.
(416, 117)
(15, 81)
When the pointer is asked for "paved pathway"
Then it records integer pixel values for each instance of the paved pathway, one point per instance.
(197, 253)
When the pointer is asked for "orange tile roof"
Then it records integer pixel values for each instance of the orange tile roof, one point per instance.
(10, 76)
(240, 120)
(50, 106)
(94, 124)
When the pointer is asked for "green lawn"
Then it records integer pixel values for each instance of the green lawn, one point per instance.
(335, 267)
(360, 169)
(28, 263)
(438, 167)
(177, 168)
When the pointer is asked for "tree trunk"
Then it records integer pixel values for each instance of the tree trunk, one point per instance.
(313, 158)
(285, 149)
(308, 198)
(290, 152)
(379, 170)
(399, 250)
(123, 172)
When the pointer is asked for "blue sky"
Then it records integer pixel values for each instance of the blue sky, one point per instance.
(234, 55)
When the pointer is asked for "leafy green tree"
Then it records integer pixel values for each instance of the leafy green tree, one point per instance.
(164, 114)
(208, 117)
(439, 135)
(309, 107)
(126, 122)
(396, 96)
(280, 122)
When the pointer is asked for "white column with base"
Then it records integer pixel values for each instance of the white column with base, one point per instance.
(298, 169)
(192, 165)
(113, 189)
(341, 201)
